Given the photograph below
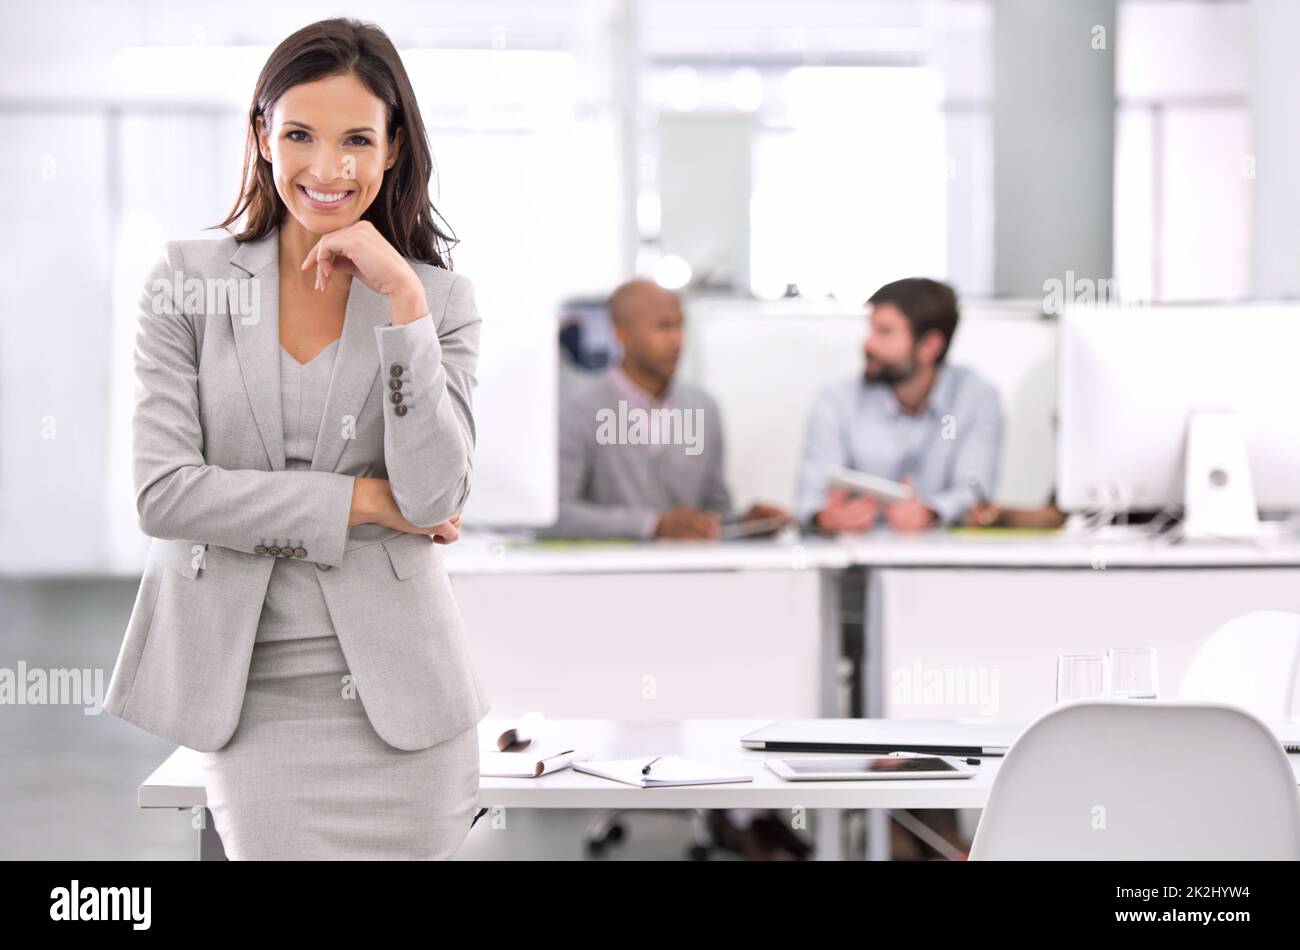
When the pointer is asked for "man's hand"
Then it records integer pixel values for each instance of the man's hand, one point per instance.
(846, 512)
(685, 521)
(983, 514)
(910, 515)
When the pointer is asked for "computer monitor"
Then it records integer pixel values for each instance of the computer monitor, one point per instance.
(1132, 380)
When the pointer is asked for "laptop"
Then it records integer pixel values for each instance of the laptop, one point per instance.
(936, 736)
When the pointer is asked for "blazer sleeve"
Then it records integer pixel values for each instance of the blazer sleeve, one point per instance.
(429, 432)
(178, 495)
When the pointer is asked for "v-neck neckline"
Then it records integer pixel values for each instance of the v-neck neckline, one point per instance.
(323, 351)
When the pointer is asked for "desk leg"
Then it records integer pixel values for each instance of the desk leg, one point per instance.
(828, 831)
(873, 698)
(828, 835)
(210, 846)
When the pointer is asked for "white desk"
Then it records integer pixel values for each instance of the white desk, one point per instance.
(178, 782)
(987, 614)
(659, 630)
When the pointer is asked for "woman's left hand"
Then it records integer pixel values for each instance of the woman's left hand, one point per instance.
(360, 250)
(448, 531)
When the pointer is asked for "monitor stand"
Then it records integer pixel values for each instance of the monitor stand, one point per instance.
(1218, 492)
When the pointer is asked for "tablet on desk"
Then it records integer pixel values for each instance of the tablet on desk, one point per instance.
(883, 488)
(858, 768)
(754, 528)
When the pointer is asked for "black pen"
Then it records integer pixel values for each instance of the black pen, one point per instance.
(646, 769)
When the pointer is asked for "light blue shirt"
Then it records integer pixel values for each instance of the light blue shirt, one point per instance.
(954, 439)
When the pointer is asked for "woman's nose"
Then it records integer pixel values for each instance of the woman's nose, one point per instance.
(327, 165)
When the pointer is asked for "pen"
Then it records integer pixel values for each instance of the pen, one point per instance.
(646, 769)
(980, 499)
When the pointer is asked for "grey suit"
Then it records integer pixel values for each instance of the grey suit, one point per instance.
(213, 492)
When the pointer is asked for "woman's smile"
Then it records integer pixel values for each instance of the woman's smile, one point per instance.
(324, 200)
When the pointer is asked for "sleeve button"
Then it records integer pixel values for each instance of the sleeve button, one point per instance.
(395, 369)
(400, 409)
(300, 552)
(260, 549)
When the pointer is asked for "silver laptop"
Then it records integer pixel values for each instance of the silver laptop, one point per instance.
(940, 737)
(936, 736)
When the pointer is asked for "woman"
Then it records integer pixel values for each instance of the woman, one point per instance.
(296, 455)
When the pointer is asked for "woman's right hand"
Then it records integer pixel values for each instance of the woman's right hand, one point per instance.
(373, 503)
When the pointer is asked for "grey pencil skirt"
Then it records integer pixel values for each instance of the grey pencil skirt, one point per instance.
(305, 775)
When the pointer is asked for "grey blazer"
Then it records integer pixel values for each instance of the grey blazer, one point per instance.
(213, 492)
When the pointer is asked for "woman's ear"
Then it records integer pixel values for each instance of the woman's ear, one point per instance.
(396, 149)
(263, 146)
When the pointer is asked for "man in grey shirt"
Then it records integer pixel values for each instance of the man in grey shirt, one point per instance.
(641, 453)
(911, 417)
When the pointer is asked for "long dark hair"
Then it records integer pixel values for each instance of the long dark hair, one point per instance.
(402, 212)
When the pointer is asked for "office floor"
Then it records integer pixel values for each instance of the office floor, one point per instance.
(69, 787)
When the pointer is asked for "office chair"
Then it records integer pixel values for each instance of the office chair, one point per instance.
(1142, 780)
(1252, 661)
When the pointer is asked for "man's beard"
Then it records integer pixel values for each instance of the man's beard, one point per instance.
(892, 373)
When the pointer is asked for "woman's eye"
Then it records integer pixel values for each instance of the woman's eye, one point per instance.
(290, 135)
(360, 140)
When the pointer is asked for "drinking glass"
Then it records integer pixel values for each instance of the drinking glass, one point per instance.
(1132, 673)
(1080, 676)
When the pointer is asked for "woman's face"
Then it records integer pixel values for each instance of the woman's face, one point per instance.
(327, 150)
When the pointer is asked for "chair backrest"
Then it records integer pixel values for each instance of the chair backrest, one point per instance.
(1252, 662)
(1142, 780)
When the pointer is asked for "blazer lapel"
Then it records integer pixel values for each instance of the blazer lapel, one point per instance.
(257, 341)
(258, 344)
(356, 364)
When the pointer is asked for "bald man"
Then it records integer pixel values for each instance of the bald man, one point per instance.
(641, 453)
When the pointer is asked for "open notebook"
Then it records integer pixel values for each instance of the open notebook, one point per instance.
(669, 770)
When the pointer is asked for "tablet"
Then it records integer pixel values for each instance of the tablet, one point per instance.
(756, 527)
(883, 488)
(857, 768)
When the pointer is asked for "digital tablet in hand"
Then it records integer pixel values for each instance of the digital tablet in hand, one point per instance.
(883, 488)
(754, 528)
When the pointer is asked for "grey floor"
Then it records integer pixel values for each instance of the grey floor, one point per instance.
(68, 785)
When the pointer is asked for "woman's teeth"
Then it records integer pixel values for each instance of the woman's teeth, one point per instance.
(326, 197)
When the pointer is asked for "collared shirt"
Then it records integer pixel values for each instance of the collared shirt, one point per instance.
(950, 448)
(626, 457)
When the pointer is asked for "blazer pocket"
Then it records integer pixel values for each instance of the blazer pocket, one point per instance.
(410, 554)
(183, 557)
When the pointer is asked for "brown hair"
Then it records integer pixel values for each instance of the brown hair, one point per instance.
(926, 304)
(402, 212)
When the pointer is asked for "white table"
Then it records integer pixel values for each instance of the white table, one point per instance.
(178, 782)
(1046, 593)
(659, 630)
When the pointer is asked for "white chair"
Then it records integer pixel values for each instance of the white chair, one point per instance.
(1142, 780)
(1252, 662)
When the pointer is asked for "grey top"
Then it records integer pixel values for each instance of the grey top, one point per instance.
(950, 449)
(295, 606)
(626, 457)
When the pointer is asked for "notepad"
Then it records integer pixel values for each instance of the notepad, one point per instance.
(669, 770)
(531, 764)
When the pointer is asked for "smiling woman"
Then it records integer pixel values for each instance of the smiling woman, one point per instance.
(311, 74)
(314, 656)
